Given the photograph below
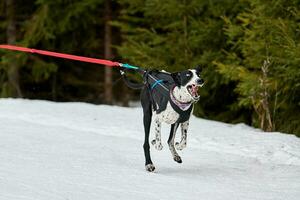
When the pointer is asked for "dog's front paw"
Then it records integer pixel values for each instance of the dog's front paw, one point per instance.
(150, 167)
(177, 159)
(157, 144)
(180, 146)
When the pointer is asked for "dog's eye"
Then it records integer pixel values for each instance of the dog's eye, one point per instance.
(188, 75)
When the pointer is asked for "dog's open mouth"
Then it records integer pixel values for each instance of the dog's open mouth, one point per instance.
(193, 90)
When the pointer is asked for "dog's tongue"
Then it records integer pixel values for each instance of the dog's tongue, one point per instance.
(195, 90)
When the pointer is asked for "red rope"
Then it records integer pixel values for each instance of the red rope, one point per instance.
(61, 55)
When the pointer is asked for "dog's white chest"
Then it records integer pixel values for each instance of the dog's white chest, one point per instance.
(169, 116)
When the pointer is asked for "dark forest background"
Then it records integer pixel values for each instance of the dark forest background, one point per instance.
(249, 51)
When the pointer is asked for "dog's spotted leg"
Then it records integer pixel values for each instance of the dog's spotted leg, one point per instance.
(175, 155)
(157, 141)
(182, 144)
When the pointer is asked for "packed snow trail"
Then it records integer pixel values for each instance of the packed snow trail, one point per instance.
(77, 151)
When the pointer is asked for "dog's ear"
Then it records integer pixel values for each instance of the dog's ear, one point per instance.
(176, 78)
(198, 69)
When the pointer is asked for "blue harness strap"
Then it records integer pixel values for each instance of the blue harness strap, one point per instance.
(125, 65)
(156, 83)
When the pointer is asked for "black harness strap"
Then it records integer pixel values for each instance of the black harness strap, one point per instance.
(184, 115)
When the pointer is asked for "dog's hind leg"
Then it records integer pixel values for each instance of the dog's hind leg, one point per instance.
(182, 144)
(147, 109)
(157, 141)
(175, 155)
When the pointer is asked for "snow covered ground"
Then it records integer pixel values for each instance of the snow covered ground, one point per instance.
(77, 151)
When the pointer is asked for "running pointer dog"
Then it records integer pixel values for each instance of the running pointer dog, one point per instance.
(167, 97)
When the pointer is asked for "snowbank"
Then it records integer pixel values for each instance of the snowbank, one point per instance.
(81, 151)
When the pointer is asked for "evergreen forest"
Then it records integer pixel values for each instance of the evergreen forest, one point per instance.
(249, 51)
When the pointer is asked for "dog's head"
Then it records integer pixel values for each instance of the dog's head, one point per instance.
(190, 80)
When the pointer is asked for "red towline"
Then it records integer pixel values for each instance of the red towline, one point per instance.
(62, 55)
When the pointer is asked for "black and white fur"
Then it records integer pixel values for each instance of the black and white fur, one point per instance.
(184, 91)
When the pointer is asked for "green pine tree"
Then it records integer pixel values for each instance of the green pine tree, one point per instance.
(262, 59)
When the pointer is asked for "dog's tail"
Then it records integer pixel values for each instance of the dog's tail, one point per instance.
(130, 83)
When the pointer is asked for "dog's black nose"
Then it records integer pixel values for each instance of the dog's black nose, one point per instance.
(200, 81)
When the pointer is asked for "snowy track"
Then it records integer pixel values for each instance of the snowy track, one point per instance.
(76, 151)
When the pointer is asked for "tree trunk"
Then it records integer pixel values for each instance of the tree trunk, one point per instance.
(13, 69)
(108, 92)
